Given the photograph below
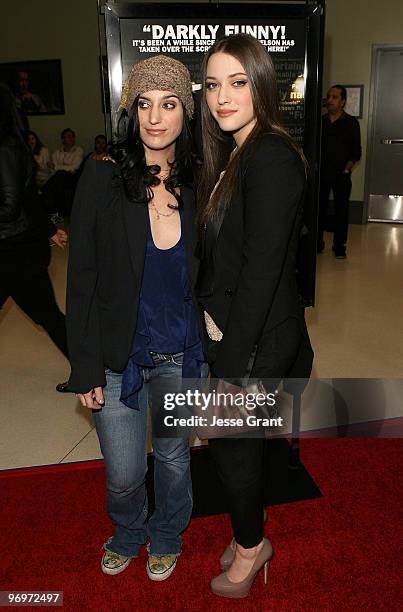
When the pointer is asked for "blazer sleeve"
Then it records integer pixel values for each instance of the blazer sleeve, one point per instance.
(272, 188)
(82, 309)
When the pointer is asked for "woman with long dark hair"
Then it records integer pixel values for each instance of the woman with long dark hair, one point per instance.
(25, 229)
(41, 157)
(251, 197)
(132, 326)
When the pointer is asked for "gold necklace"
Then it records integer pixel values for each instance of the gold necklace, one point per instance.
(162, 176)
(160, 214)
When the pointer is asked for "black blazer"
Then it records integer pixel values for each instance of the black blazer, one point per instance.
(108, 238)
(247, 279)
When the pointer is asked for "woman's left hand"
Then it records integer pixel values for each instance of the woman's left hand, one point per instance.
(94, 399)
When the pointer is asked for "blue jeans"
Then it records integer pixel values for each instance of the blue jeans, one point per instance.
(122, 434)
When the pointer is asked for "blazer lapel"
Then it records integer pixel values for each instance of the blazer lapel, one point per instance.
(190, 232)
(217, 222)
(211, 234)
(136, 224)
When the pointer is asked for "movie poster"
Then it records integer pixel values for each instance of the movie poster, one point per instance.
(293, 34)
(284, 39)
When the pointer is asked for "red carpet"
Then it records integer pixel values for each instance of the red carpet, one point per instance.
(339, 552)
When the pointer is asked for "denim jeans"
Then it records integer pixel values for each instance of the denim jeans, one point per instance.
(122, 433)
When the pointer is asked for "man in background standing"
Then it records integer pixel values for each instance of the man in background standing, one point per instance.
(341, 150)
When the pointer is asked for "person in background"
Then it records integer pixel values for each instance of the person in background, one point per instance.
(99, 153)
(41, 157)
(100, 148)
(341, 150)
(58, 192)
(69, 156)
(251, 203)
(25, 230)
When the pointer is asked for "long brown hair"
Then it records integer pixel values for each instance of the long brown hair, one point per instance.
(259, 68)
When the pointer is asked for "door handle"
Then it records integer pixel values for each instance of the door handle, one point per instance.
(390, 141)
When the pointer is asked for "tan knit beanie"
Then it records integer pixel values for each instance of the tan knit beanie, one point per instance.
(158, 72)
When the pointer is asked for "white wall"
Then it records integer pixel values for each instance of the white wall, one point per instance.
(352, 27)
(66, 30)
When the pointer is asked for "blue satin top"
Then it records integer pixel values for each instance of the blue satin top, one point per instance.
(166, 321)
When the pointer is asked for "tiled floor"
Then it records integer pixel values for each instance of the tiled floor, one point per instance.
(356, 330)
(356, 326)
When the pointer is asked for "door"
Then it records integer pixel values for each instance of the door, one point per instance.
(385, 167)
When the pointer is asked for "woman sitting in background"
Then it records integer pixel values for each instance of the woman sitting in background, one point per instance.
(41, 157)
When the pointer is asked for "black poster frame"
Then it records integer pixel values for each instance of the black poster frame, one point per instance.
(312, 13)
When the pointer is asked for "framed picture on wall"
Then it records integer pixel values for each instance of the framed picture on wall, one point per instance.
(355, 100)
(37, 85)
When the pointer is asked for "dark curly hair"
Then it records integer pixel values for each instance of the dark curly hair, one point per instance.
(138, 178)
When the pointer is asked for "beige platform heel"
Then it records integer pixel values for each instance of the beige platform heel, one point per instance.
(223, 587)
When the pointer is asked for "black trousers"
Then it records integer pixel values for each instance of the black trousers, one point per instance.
(240, 461)
(340, 184)
(24, 277)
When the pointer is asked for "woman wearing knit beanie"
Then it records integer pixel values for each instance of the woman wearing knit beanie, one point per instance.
(133, 330)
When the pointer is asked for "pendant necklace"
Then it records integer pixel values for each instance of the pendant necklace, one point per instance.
(163, 175)
(160, 214)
